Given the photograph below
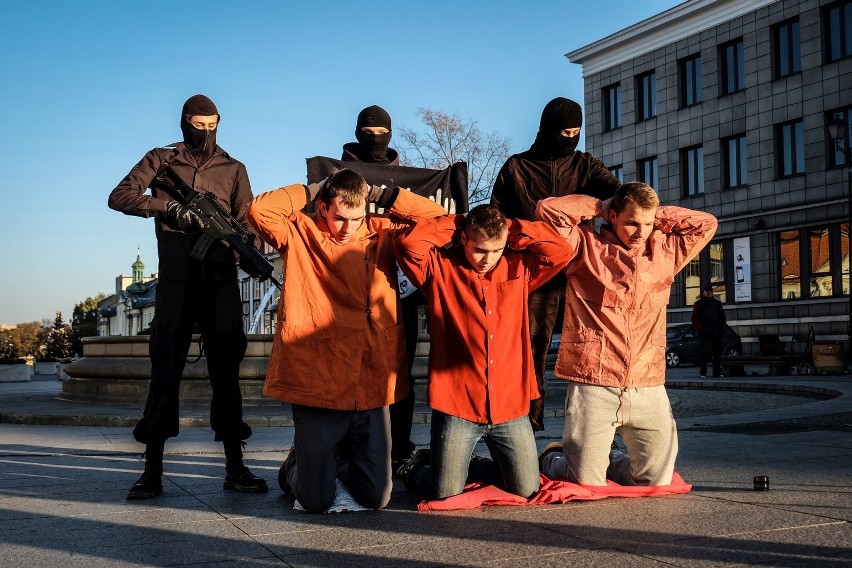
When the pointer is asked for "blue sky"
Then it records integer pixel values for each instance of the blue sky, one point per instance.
(88, 87)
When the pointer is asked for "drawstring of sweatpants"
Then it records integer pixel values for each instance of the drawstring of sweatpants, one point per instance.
(622, 408)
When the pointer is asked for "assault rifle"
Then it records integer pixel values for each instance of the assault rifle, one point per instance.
(218, 224)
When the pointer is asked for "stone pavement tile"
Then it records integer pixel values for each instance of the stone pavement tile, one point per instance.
(822, 544)
(665, 519)
(516, 542)
(581, 558)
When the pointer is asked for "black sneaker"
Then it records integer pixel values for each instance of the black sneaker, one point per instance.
(419, 458)
(149, 485)
(244, 481)
(284, 470)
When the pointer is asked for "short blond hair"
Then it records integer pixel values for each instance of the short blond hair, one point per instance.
(642, 194)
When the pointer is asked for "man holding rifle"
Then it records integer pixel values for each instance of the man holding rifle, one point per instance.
(190, 291)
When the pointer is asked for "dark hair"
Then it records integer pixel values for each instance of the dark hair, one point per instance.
(350, 186)
(643, 195)
(485, 221)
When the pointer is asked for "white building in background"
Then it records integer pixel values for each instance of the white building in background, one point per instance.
(130, 309)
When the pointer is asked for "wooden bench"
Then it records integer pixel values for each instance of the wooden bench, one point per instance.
(778, 364)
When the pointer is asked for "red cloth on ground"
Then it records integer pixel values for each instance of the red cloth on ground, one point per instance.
(551, 491)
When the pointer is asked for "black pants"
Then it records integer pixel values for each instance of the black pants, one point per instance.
(217, 308)
(402, 412)
(319, 436)
(711, 347)
(545, 305)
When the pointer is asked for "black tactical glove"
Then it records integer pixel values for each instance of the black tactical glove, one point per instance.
(382, 196)
(180, 216)
(246, 265)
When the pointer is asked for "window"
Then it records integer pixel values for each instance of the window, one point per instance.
(837, 157)
(791, 148)
(735, 157)
(648, 171)
(733, 67)
(618, 172)
(692, 162)
(690, 81)
(814, 262)
(838, 31)
(788, 51)
(707, 267)
(646, 87)
(612, 107)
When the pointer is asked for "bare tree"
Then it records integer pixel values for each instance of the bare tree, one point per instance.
(447, 139)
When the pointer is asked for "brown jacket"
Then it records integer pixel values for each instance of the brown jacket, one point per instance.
(614, 334)
(221, 175)
(339, 341)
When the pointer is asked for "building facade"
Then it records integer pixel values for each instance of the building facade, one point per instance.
(724, 106)
(130, 309)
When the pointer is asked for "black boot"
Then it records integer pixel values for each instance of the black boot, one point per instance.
(237, 475)
(150, 483)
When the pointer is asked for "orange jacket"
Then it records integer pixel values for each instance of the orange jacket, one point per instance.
(614, 333)
(339, 342)
(480, 362)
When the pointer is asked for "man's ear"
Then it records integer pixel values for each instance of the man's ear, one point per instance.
(610, 216)
(322, 208)
(463, 238)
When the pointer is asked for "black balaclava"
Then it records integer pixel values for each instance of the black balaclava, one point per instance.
(559, 114)
(201, 143)
(373, 148)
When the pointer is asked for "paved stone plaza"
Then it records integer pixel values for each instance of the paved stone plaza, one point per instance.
(62, 492)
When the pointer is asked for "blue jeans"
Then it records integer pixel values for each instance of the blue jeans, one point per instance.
(511, 444)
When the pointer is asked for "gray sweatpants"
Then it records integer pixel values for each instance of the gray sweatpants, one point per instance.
(643, 417)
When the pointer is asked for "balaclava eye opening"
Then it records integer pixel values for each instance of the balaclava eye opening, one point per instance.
(201, 143)
(559, 114)
(373, 148)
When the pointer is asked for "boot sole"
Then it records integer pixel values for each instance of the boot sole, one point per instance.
(229, 486)
(137, 495)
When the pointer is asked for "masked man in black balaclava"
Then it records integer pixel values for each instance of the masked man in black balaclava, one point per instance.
(191, 292)
(551, 167)
(373, 132)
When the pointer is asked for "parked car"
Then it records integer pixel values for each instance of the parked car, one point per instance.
(684, 346)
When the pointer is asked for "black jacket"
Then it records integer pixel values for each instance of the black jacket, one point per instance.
(221, 175)
(528, 177)
(708, 317)
(350, 154)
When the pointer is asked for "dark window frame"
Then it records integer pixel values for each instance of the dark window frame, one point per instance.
(705, 274)
(739, 161)
(837, 43)
(612, 108)
(690, 80)
(786, 48)
(732, 66)
(646, 96)
(692, 170)
(797, 147)
(617, 172)
(655, 173)
(807, 275)
(837, 159)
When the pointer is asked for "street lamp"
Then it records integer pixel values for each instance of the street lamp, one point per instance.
(838, 131)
